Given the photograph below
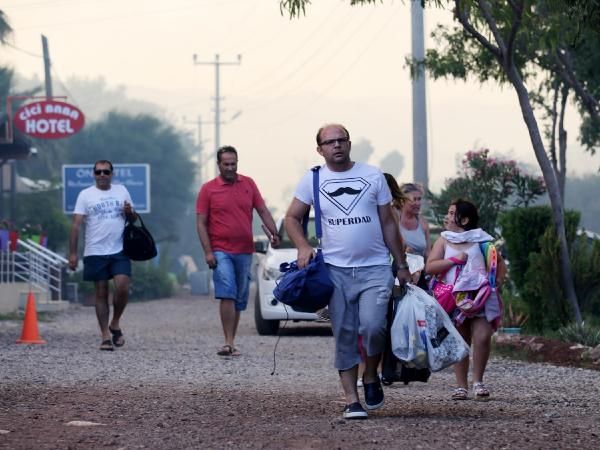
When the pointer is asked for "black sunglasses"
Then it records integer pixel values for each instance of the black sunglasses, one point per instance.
(102, 172)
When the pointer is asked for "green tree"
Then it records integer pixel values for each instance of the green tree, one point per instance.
(488, 44)
(42, 210)
(5, 28)
(493, 184)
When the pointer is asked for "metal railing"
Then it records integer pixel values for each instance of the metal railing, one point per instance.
(36, 265)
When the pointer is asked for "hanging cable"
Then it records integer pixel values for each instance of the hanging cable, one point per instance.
(35, 55)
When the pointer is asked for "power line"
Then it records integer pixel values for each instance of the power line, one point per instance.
(336, 50)
(52, 3)
(343, 73)
(193, 5)
(252, 87)
(35, 55)
(64, 87)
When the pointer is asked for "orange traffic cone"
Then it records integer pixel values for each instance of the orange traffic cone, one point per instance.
(30, 333)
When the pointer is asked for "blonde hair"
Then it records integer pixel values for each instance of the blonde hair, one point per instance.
(408, 188)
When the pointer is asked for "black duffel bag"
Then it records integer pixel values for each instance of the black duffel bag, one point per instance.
(138, 243)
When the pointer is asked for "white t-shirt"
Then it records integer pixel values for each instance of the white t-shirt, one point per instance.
(352, 235)
(104, 218)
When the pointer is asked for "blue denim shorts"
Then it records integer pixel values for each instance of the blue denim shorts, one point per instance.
(232, 277)
(105, 267)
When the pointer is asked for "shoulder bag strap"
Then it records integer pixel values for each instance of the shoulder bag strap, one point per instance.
(317, 203)
(138, 217)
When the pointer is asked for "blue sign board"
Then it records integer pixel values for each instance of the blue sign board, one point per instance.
(135, 177)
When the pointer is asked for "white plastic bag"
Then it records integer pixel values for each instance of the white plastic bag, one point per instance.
(409, 341)
(415, 262)
(443, 344)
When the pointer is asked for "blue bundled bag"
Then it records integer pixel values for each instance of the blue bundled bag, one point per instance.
(306, 290)
(310, 288)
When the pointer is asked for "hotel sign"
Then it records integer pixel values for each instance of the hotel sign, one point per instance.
(49, 119)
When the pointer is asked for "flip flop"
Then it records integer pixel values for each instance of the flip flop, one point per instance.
(235, 352)
(107, 346)
(117, 337)
(226, 350)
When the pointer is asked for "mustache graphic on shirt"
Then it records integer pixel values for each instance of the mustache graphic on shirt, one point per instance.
(344, 190)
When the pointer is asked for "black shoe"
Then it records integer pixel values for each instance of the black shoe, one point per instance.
(354, 411)
(373, 395)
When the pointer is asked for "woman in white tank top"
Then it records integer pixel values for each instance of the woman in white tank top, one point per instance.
(406, 205)
(413, 227)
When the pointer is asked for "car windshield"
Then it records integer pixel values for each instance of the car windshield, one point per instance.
(312, 235)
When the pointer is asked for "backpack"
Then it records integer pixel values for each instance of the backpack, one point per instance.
(473, 301)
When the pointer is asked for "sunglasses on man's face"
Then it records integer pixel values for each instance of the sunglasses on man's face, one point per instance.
(102, 172)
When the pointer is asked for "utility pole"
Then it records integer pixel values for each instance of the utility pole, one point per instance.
(419, 107)
(206, 161)
(217, 63)
(47, 74)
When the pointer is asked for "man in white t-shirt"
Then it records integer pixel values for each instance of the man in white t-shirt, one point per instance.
(359, 233)
(104, 207)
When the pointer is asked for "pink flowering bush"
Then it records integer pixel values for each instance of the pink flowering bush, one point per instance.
(492, 184)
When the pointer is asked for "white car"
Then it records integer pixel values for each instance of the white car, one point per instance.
(268, 311)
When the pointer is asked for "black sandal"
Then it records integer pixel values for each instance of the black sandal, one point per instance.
(107, 346)
(117, 337)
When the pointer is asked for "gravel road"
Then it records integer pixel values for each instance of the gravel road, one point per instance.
(167, 389)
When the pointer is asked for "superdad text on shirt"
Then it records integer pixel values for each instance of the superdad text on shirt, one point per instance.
(349, 220)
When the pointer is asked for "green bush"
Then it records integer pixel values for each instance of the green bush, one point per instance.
(585, 263)
(580, 334)
(44, 209)
(542, 287)
(515, 311)
(150, 282)
(533, 253)
(521, 229)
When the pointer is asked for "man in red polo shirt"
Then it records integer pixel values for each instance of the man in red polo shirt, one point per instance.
(224, 223)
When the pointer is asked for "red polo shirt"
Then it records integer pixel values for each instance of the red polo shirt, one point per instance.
(228, 208)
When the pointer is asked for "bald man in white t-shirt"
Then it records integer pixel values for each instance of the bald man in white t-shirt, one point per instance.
(359, 233)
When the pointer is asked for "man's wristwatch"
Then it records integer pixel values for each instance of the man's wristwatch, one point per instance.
(402, 265)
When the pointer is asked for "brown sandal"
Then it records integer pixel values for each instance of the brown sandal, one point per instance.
(226, 350)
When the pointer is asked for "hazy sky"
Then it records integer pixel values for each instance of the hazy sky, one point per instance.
(338, 64)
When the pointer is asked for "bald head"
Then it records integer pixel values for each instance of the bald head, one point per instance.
(331, 125)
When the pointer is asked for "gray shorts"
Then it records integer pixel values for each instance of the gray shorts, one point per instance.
(358, 306)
